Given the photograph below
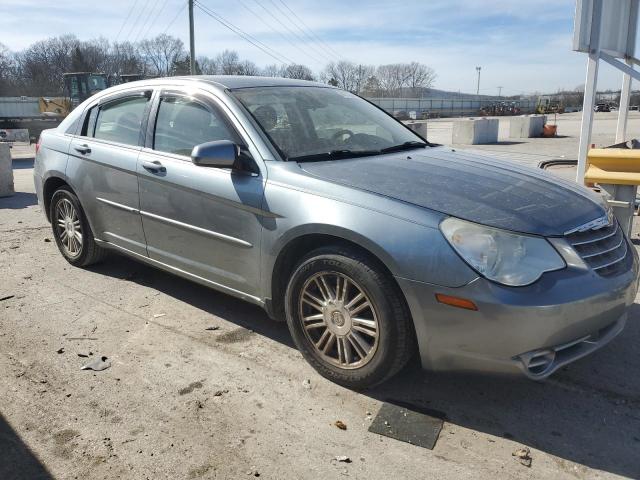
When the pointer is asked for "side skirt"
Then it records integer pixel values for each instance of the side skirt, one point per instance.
(182, 273)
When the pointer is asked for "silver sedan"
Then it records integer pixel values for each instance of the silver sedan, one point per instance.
(372, 243)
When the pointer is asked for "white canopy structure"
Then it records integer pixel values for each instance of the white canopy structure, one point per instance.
(605, 30)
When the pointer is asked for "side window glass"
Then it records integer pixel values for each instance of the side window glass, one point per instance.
(120, 121)
(182, 123)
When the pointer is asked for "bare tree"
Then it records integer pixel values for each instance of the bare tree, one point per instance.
(247, 67)
(298, 71)
(161, 53)
(347, 75)
(419, 76)
(208, 66)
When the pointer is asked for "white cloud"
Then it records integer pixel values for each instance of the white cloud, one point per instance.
(521, 45)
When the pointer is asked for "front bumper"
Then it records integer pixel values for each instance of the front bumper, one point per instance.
(533, 330)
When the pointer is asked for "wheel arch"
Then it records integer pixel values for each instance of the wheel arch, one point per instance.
(302, 241)
(49, 187)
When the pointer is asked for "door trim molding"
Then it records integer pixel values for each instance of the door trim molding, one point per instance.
(118, 205)
(176, 223)
(193, 228)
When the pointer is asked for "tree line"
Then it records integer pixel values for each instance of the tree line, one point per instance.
(38, 70)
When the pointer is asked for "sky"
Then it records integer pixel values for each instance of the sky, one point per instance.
(523, 46)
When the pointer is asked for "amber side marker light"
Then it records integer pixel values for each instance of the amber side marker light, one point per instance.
(456, 301)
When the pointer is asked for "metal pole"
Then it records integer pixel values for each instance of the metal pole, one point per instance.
(499, 92)
(192, 43)
(587, 114)
(590, 92)
(623, 108)
(478, 87)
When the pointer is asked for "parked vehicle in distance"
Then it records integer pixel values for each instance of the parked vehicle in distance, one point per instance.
(323, 209)
(602, 107)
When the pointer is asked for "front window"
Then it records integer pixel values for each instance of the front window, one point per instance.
(183, 123)
(308, 123)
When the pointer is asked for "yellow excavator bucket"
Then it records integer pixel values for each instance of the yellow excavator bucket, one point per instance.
(54, 105)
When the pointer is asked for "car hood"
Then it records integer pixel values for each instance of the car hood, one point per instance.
(470, 186)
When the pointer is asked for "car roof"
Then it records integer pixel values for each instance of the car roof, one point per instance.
(246, 81)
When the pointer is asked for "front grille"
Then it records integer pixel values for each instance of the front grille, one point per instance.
(604, 249)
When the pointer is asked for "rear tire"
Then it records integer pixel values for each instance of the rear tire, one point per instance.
(357, 336)
(72, 231)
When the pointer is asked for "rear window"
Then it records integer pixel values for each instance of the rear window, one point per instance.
(119, 121)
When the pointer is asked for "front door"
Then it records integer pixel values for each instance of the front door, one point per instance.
(102, 163)
(202, 220)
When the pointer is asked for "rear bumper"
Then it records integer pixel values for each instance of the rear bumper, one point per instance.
(532, 330)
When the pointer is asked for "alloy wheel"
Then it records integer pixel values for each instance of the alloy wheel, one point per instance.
(69, 228)
(339, 319)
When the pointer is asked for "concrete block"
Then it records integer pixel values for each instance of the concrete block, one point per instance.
(6, 171)
(419, 127)
(471, 131)
(14, 135)
(526, 126)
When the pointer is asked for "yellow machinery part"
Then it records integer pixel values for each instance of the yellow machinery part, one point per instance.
(55, 105)
(615, 166)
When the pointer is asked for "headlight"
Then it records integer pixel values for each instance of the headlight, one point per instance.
(501, 256)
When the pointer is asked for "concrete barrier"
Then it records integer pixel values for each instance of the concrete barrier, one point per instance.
(419, 127)
(471, 131)
(526, 126)
(6, 171)
(14, 135)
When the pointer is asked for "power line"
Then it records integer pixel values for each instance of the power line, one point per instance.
(126, 20)
(321, 42)
(320, 51)
(184, 5)
(162, 7)
(296, 45)
(135, 24)
(249, 38)
(146, 21)
(295, 36)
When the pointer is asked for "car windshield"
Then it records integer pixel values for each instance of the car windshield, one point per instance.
(316, 123)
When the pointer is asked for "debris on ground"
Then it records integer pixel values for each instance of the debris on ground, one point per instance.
(47, 240)
(85, 355)
(219, 393)
(190, 388)
(306, 384)
(212, 328)
(2, 299)
(342, 458)
(60, 350)
(341, 425)
(413, 424)
(158, 315)
(524, 456)
(97, 365)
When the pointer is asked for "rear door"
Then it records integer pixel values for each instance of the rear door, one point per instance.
(102, 167)
(202, 220)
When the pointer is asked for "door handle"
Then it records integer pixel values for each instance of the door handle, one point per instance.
(83, 149)
(153, 167)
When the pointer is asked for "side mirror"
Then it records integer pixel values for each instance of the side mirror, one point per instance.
(220, 154)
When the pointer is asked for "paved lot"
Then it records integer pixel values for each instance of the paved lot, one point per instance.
(181, 401)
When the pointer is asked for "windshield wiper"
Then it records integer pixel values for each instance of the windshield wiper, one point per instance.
(404, 146)
(333, 154)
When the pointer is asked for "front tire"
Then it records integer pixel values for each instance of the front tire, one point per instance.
(348, 318)
(71, 230)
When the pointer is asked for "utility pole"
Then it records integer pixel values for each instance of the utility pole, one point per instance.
(499, 92)
(192, 43)
(478, 87)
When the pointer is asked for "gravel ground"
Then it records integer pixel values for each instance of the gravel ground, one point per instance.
(181, 401)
